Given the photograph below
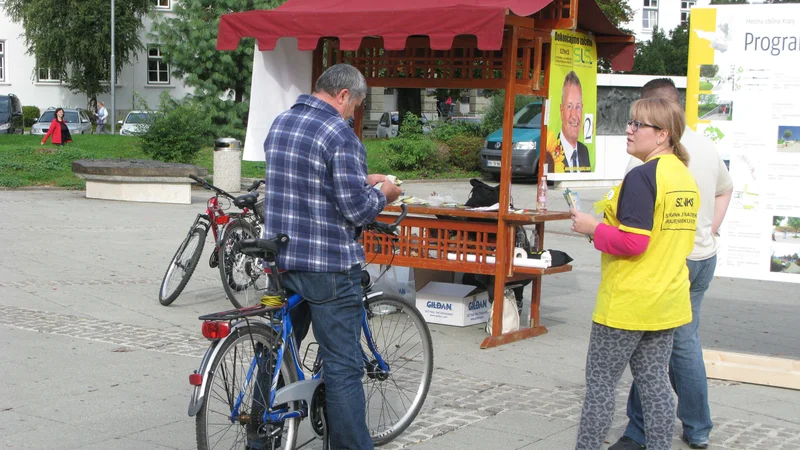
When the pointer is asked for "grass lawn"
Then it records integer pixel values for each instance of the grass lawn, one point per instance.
(25, 162)
(705, 109)
(706, 86)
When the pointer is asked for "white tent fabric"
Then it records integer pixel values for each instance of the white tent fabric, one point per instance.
(279, 77)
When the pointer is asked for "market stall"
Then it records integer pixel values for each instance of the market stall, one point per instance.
(485, 44)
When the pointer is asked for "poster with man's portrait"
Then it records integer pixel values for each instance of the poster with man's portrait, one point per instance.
(570, 141)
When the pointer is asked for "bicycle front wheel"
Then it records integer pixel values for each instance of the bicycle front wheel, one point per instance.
(235, 398)
(242, 276)
(182, 266)
(402, 338)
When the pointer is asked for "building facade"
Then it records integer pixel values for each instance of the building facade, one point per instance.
(146, 76)
(664, 14)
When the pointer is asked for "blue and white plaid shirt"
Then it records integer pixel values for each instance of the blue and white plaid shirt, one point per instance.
(316, 188)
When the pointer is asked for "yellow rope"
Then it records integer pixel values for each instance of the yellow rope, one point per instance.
(271, 301)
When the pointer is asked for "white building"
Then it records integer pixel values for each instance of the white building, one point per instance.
(664, 14)
(147, 75)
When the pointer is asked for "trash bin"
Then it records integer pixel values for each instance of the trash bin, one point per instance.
(228, 164)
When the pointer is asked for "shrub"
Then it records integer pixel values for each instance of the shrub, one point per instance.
(465, 152)
(176, 135)
(30, 114)
(493, 116)
(412, 152)
(445, 130)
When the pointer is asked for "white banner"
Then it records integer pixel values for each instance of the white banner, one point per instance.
(279, 77)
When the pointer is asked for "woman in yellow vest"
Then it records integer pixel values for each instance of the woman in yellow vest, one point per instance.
(647, 232)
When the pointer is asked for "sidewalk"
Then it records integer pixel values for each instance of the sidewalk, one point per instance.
(91, 359)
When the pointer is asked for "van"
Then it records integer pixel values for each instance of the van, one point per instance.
(10, 114)
(525, 137)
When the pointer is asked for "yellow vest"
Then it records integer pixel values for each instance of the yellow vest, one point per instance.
(650, 291)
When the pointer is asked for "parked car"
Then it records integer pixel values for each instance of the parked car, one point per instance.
(388, 125)
(135, 122)
(10, 114)
(525, 137)
(77, 121)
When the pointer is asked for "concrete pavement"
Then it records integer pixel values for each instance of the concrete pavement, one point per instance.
(91, 360)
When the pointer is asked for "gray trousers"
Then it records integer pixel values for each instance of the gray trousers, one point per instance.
(610, 351)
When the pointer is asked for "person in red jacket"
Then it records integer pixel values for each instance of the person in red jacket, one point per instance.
(58, 129)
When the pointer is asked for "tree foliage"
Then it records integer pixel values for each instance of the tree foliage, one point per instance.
(221, 79)
(794, 224)
(663, 55)
(73, 38)
(619, 12)
(787, 135)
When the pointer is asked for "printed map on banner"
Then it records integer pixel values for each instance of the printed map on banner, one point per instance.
(743, 93)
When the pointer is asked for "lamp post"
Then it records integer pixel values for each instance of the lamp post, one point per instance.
(113, 75)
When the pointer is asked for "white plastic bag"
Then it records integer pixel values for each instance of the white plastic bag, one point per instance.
(510, 314)
(398, 281)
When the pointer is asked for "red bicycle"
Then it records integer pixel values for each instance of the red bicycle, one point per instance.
(225, 226)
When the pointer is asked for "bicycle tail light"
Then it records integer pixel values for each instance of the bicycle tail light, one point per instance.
(214, 330)
(196, 379)
(222, 220)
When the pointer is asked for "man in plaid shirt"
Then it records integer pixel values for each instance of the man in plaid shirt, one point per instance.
(318, 193)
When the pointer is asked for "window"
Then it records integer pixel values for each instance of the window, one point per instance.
(685, 7)
(162, 4)
(650, 14)
(48, 75)
(157, 69)
(2, 60)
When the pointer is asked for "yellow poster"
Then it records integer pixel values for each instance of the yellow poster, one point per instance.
(572, 103)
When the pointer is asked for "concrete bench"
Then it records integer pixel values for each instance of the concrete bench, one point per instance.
(137, 180)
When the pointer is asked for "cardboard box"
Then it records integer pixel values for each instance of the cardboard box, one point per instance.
(424, 276)
(453, 304)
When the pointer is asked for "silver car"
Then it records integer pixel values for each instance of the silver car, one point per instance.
(77, 121)
(135, 123)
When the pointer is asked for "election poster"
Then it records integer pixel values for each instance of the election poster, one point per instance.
(572, 102)
(743, 93)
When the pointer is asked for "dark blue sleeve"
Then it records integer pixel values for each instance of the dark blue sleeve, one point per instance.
(637, 199)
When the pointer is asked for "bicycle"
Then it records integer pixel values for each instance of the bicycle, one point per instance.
(251, 391)
(184, 262)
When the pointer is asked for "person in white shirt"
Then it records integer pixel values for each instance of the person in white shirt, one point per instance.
(686, 367)
(101, 115)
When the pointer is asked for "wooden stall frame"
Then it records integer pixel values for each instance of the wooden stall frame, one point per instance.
(523, 59)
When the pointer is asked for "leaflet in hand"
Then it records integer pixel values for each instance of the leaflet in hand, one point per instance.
(574, 201)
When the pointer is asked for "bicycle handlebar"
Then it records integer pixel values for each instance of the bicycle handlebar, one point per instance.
(206, 185)
(389, 228)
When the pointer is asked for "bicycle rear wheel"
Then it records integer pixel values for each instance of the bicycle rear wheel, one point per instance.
(242, 276)
(401, 337)
(182, 266)
(217, 426)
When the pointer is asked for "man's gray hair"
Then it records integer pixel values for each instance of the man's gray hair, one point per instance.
(342, 76)
(571, 80)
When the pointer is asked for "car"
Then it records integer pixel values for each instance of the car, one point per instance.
(76, 118)
(136, 122)
(525, 137)
(10, 114)
(388, 125)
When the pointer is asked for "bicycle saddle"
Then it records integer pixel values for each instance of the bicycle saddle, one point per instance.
(246, 201)
(261, 248)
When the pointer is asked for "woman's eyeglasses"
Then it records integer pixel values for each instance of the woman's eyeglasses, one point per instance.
(635, 125)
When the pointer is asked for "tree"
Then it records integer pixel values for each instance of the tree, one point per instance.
(794, 224)
(188, 44)
(787, 135)
(663, 55)
(618, 12)
(709, 70)
(73, 38)
(776, 220)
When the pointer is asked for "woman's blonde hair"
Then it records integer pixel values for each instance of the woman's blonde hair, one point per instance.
(667, 115)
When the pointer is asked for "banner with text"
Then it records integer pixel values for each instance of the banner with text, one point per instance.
(743, 92)
(572, 101)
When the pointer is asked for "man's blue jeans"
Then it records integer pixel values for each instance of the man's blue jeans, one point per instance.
(335, 304)
(687, 371)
